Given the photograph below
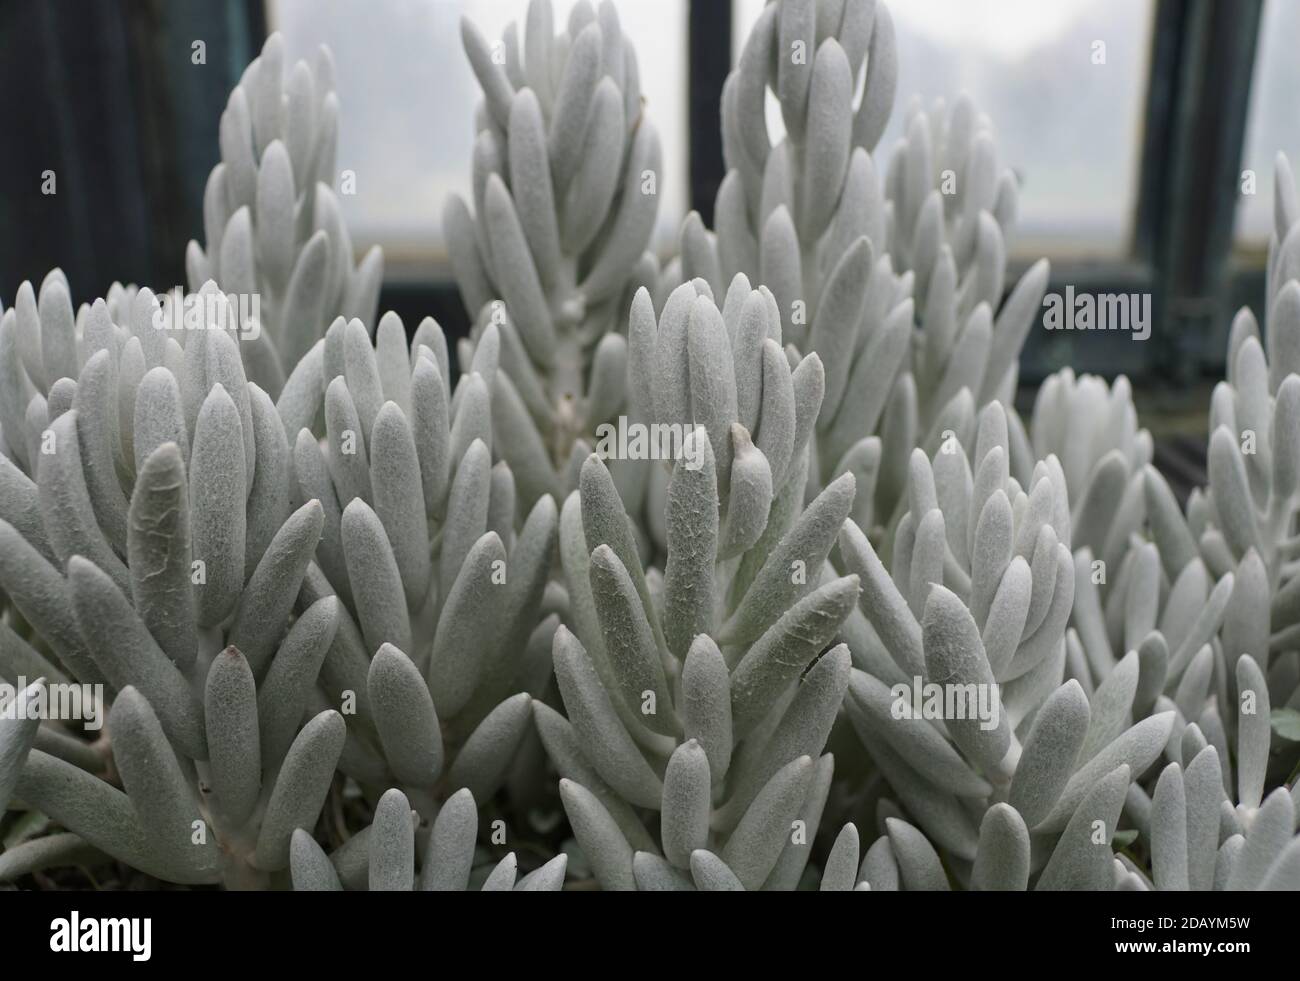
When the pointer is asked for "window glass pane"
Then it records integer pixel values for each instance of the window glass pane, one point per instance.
(1273, 121)
(407, 97)
(1071, 129)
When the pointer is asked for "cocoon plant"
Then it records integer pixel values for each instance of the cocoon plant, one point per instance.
(1196, 838)
(952, 209)
(1254, 435)
(1123, 518)
(566, 183)
(1232, 659)
(806, 217)
(708, 872)
(440, 586)
(188, 619)
(1092, 429)
(1209, 589)
(382, 857)
(705, 693)
(271, 221)
(961, 703)
(701, 371)
(44, 347)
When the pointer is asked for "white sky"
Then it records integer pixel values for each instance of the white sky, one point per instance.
(1007, 28)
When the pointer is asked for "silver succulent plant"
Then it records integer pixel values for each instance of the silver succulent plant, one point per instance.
(272, 223)
(723, 374)
(198, 553)
(566, 173)
(382, 857)
(977, 600)
(44, 348)
(702, 692)
(441, 580)
(1092, 429)
(806, 216)
(954, 208)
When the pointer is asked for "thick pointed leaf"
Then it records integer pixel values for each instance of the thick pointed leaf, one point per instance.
(291, 678)
(918, 864)
(405, 716)
(159, 793)
(158, 545)
(399, 499)
(841, 871)
(879, 712)
(602, 843)
(755, 846)
(789, 574)
(65, 501)
(128, 655)
(234, 744)
(778, 657)
(1050, 753)
(629, 639)
(654, 874)
(692, 522)
(1079, 860)
(954, 656)
(549, 878)
(1270, 833)
(17, 735)
(450, 852)
(310, 867)
(1137, 747)
(392, 845)
(217, 515)
(103, 816)
(803, 729)
(1169, 831)
(605, 742)
(375, 579)
(1253, 732)
(712, 874)
(1002, 860)
(467, 630)
(300, 788)
(485, 758)
(687, 803)
(261, 617)
(1203, 792)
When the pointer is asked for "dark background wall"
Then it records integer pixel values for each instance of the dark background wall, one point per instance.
(104, 94)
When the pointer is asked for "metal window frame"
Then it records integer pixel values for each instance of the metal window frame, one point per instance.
(1198, 96)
